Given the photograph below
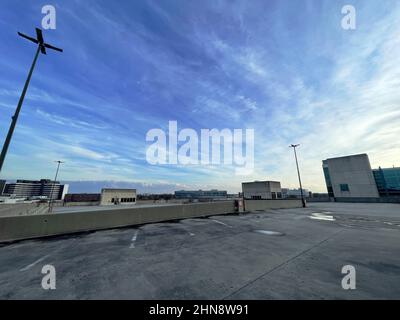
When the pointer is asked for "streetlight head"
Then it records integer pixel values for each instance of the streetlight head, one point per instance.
(294, 145)
(40, 41)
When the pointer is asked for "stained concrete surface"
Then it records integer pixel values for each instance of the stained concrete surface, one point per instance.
(220, 257)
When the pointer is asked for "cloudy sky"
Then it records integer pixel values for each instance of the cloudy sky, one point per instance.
(286, 69)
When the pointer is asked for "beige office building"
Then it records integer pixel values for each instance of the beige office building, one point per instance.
(262, 190)
(350, 177)
(117, 196)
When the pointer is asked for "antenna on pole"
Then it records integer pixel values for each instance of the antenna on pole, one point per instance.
(40, 48)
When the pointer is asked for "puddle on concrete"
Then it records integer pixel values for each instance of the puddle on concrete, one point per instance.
(270, 233)
(321, 216)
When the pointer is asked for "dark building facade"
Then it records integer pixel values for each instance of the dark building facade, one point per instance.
(36, 188)
(82, 197)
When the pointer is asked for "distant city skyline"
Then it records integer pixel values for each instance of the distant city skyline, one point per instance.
(285, 69)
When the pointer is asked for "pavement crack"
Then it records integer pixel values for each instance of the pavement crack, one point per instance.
(282, 264)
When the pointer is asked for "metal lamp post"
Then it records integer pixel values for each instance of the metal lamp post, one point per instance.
(294, 146)
(40, 48)
(52, 186)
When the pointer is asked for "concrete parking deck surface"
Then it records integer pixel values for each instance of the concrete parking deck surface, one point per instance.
(221, 257)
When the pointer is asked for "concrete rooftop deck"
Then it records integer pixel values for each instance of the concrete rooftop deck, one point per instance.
(221, 257)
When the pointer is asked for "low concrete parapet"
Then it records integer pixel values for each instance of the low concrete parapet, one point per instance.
(319, 199)
(14, 228)
(368, 200)
(34, 226)
(20, 209)
(251, 205)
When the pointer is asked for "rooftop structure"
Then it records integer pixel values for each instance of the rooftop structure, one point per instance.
(111, 196)
(262, 190)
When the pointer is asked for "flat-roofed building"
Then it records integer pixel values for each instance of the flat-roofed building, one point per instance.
(111, 196)
(201, 194)
(262, 190)
(36, 188)
(295, 193)
(82, 197)
(350, 177)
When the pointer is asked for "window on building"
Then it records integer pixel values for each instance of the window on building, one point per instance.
(273, 195)
(344, 187)
(279, 195)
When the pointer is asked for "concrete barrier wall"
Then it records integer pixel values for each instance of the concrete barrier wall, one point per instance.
(177, 201)
(322, 199)
(33, 226)
(19, 209)
(78, 204)
(370, 200)
(251, 205)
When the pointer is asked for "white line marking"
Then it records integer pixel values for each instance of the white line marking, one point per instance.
(269, 233)
(220, 222)
(321, 216)
(133, 240)
(36, 262)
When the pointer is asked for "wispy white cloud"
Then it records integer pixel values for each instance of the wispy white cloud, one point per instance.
(216, 64)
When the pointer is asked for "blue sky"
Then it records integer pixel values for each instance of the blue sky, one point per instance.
(286, 69)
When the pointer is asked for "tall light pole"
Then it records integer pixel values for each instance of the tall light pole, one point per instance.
(40, 48)
(294, 146)
(52, 186)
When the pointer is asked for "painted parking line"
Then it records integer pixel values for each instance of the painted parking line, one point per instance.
(133, 240)
(34, 263)
(321, 216)
(220, 222)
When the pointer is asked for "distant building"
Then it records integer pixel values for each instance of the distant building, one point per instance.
(201, 194)
(111, 196)
(294, 193)
(387, 181)
(319, 195)
(44, 188)
(82, 197)
(262, 190)
(350, 177)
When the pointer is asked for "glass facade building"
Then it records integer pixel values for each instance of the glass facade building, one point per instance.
(388, 181)
(327, 178)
